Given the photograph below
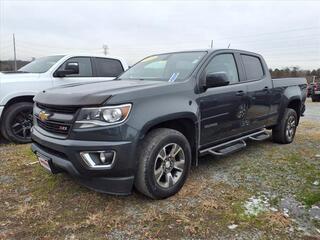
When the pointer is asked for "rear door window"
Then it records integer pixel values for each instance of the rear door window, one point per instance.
(253, 67)
(107, 67)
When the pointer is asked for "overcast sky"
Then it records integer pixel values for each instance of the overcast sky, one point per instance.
(287, 33)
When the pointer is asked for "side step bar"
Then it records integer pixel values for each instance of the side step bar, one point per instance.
(235, 145)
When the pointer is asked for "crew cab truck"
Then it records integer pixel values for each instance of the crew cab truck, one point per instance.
(17, 89)
(315, 92)
(146, 128)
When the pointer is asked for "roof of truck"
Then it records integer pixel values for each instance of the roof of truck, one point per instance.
(90, 55)
(210, 50)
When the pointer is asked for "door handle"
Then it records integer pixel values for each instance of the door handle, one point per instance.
(266, 88)
(240, 93)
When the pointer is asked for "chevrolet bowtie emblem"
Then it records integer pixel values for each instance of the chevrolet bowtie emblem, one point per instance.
(43, 116)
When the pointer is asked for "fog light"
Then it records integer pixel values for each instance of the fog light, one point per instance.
(102, 157)
(99, 159)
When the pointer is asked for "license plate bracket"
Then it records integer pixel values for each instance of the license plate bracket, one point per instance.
(44, 162)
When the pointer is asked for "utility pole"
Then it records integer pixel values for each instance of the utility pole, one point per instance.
(14, 54)
(211, 45)
(105, 49)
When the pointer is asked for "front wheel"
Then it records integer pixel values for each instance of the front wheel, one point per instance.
(164, 163)
(17, 122)
(285, 131)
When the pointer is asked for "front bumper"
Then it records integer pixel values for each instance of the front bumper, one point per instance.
(64, 155)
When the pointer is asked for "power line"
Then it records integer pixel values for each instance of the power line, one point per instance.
(268, 33)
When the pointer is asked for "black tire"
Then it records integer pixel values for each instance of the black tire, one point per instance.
(3, 131)
(156, 142)
(285, 131)
(18, 113)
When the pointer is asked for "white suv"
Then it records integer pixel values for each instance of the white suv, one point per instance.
(17, 89)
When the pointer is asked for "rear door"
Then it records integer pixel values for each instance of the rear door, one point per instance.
(259, 89)
(221, 108)
(85, 71)
(106, 68)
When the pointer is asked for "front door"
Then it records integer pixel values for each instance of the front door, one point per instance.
(222, 108)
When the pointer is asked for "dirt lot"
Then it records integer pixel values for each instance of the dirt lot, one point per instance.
(267, 191)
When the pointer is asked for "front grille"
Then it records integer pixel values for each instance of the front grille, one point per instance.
(54, 127)
(56, 120)
(58, 109)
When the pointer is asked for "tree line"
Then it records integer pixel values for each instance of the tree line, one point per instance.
(295, 72)
(8, 65)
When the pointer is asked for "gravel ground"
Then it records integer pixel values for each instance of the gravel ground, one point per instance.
(313, 110)
(266, 191)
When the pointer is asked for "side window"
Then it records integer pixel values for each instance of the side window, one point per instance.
(224, 63)
(108, 67)
(85, 69)
(252, 67)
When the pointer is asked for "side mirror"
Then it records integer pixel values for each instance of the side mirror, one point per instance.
(216, 79)
(70, 68)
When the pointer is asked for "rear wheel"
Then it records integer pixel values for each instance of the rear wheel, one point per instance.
(164, 163)
(17, 122)
(285, 131)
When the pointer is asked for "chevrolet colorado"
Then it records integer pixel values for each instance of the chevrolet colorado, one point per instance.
(17, 89)
(146, 128)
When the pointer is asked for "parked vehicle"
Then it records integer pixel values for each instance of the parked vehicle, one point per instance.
(315, 92)
(147, 127)
(17, 89)
(309, 89)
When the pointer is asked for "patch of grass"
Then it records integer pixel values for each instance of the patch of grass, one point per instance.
(310, 197)
(308, 172)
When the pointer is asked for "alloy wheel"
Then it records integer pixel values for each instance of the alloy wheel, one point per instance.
(22, 124)
(169, 165)
(291, 127)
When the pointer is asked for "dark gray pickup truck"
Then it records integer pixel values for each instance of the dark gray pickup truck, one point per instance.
(149, 126)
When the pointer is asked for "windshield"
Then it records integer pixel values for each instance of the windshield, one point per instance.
(165, 67)
(41, 65)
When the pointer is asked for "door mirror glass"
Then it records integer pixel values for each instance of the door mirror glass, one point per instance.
(216, 79)
(72, 68)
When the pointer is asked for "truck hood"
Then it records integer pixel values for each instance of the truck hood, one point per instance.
(17, 77)
(94, 93)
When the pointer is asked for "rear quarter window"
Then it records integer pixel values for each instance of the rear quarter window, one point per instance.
(253, 67)
(107, 67)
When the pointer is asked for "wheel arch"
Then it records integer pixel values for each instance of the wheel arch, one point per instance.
(185, 123)
(24, 98)
(295, 104)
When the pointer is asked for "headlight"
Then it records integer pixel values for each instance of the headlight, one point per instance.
(102, 116)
